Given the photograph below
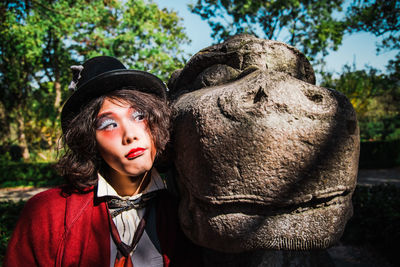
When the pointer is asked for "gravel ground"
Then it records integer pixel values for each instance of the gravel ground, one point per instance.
(378, 176)
(19, 193)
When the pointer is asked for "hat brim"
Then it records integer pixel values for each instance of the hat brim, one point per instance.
(108, 82)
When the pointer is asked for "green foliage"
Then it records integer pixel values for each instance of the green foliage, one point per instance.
(310, 25)
(383, 128)
(138, 33)
(376, 219)
(375, 98)
(9, 213)
(28, 174)
(362, 87)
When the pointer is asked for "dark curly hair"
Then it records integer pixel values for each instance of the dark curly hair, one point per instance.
(81, 161)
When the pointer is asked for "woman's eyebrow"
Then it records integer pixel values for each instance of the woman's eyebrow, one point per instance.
(104, 114)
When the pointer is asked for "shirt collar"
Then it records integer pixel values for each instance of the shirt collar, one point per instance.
(104, 189)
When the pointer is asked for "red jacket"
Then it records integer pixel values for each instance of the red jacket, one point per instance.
(56, 229)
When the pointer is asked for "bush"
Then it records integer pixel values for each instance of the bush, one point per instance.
(28, 174)
(9, 213)
(380, 128)
(379, 154)
(376, 220)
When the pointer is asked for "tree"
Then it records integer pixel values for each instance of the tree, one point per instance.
(360, 86)
(379, 17)
(17, 64)
(309, 24)
(40, 39)
(375, 97)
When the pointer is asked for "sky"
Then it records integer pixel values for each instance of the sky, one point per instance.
(359, 48)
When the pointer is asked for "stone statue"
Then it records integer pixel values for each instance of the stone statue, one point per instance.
(265, 159)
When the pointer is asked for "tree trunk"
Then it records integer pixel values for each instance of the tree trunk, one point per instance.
(57, 107)
(58, 92)
(4, 125)
(21, 136)
(57, 87)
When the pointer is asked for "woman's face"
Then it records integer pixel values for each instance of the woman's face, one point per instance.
(123, 138)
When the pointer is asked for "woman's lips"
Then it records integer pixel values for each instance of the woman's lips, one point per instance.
(135, 152)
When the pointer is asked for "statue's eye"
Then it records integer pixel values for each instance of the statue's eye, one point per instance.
(215, 75)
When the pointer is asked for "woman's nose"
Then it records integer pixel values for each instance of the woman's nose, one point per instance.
(129, 134)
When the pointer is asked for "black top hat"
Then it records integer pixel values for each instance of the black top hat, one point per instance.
(101, 75)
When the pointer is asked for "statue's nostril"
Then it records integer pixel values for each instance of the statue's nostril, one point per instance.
(260, 95)
(316, 98)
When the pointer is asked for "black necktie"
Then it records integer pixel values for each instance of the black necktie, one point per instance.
(120, 205)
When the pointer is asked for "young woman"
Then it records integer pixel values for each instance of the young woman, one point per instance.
(115, 210)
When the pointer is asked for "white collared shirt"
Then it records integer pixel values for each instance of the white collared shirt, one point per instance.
(127, 221)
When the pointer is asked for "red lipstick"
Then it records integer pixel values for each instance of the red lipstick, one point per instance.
(135, 152)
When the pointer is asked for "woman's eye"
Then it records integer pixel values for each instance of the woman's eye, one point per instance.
(138, 116)
(107, 125)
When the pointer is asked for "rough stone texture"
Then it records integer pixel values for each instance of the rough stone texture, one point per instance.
(264, 158)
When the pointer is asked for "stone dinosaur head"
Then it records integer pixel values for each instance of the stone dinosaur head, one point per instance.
(265, 159)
